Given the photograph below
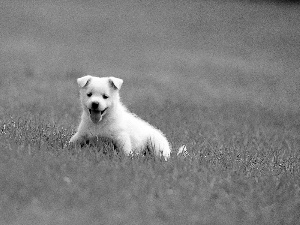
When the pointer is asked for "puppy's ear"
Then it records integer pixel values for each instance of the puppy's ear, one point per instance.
(116, 83)
(84, 81)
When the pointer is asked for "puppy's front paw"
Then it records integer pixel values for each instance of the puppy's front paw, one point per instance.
(76, 139)
(73, 139)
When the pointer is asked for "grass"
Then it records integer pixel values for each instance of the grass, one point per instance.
(220, 77)
(243, 176)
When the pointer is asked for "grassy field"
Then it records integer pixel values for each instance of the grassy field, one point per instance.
(221, 77)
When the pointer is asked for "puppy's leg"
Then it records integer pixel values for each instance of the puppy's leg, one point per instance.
(77, 139)
(123, 142)
(166, 153)
(160, 146)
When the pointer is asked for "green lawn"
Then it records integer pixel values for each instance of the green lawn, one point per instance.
(221, 77)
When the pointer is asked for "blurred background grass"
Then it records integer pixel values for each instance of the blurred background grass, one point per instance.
(197, 52)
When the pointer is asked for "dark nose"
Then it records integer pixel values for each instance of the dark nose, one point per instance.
(95, 105)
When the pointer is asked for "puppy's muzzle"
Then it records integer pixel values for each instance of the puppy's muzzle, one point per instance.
(95, 113)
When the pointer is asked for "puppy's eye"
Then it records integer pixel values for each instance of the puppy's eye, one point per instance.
(89, 94)
(105, 96)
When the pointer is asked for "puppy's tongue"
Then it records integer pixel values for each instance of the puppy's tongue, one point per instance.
(95, 116)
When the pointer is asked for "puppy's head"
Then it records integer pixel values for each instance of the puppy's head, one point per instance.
(98, 95)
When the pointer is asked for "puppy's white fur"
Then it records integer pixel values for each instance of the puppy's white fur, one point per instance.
(105, 116)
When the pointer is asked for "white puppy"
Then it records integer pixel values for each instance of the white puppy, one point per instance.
(105, 116)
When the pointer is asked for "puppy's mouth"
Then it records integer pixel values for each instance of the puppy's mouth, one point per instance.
(96, 115)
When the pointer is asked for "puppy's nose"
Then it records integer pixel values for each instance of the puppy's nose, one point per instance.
(95, 105)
